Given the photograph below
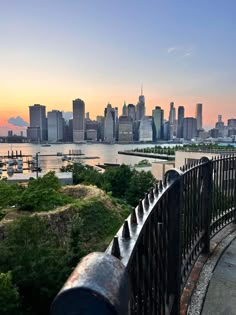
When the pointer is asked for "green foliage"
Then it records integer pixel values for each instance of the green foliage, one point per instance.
(42, 194)
(87, 175)
(117, 180)
(130, 185)
(9, 194)
(122, 182)
(95, 225)
(9, 296)
(37, 262)
(84, 174)
(139, 183)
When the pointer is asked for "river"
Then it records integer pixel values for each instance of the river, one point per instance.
(106, 153)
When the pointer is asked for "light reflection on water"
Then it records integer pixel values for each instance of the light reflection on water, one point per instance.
(107, 153)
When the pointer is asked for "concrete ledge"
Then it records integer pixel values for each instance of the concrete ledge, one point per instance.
(194, 293)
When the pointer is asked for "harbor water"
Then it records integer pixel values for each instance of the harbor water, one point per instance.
(50, 156)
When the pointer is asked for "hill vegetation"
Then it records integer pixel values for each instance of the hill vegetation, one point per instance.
(46, 229)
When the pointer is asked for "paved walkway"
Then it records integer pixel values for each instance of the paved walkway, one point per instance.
(221, 294)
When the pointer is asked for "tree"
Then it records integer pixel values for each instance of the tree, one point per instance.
(42, 194)
(9, 296)
(139, 183)
(38, 262)
(86, 174)
(117, 180)
(9, 194)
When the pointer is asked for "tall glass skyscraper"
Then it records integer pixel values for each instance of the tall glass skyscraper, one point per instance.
(140, 107)
(78, 120)
(157, 117)
(37, 130)
(55, 126)
(180, 122)
(199, 116)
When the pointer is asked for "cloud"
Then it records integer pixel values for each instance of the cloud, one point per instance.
(172, 49)
(17, 121)
(182, 51)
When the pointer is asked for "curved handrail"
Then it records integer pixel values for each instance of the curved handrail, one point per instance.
(158, 244)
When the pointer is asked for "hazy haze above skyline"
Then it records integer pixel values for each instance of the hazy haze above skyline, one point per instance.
(102, 51)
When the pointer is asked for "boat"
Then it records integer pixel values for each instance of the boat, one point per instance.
(10, 171)
(66, 158)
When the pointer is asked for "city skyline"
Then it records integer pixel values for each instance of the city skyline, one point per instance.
(52, 53)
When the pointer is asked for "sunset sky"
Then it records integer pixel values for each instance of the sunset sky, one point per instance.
(53, 51)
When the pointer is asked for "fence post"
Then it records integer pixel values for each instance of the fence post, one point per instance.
(207, 170)
(98, 285)
(234, 177)
(174, 176)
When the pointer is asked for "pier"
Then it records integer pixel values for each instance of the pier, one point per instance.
(149, 155)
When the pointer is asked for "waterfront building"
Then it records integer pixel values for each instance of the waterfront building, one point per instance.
(214, 133)
(55, 126)
(172, 121)
(91, 135)
(220, 126)
(10, 133)
(232, 123)
(203, 135)
(33, 134)
(157, 116)
(78, 120)
(100, 121)
(231, 132)
(145, 129)
(38, 123)
(166, 130)
(67, 130)
(189, 128)
(199, 116)
(109, 124)
(131, 111)
(91, 129)
(125, 129)
(136, 125)
(180, 123)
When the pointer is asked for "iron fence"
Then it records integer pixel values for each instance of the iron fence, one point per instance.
(145, 268)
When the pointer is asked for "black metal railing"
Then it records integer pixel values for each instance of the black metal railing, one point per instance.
(145, 268)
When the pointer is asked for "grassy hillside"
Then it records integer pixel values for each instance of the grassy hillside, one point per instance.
(40, 249)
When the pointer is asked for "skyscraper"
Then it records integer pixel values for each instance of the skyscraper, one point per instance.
(189, 128)
(157, 117)
(199, 116)
(145, 129)
(180, 122)
(37, 131)
(125, 129)
(131, 111)
(172, 121)
(55, 126)
(124, 110)
(78, 120)
(109, 124)
(140, 107)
